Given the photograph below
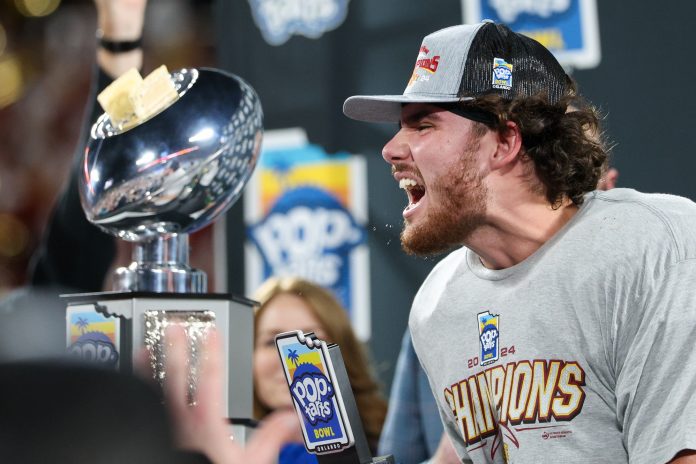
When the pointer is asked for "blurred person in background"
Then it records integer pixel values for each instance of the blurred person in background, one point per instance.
(74, 255)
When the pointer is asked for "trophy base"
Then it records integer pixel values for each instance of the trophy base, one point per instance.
(110, 328)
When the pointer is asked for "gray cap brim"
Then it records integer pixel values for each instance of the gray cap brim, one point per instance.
(387, 108)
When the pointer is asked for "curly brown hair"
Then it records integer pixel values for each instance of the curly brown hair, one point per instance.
(563, 140)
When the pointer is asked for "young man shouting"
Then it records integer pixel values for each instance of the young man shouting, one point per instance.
(561, 327)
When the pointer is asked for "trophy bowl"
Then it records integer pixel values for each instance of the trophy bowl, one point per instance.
(181, 168)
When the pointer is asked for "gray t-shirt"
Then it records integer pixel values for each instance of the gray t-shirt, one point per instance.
(582, 353)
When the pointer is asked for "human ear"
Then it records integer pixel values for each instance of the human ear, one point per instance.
(508, 146)
(608, 180)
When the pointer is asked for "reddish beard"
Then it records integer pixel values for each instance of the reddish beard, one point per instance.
(459, 211)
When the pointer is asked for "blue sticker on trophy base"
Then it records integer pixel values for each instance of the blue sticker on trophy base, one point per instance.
(315, 392)
(93, 337)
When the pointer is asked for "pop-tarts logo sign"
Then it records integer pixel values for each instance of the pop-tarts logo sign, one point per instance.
(308, 233)
(510, 10)
(305, 213)
(569, 28)
(315, 393)
(278, 20)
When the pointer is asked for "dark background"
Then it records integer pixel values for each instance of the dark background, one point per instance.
(643, 85)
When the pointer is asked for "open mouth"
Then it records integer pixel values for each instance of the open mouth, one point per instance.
(414, 190)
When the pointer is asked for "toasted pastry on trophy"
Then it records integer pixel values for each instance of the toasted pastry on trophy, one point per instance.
(116, 99)
(130, 99)
(156, 92)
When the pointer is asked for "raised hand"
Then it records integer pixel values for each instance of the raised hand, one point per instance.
(120, 21)
(202, 426)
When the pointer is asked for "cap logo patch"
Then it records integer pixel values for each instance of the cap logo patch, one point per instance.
(425, 66)
(502, 74)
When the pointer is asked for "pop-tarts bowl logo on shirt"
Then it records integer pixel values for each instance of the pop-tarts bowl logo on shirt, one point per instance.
(489, 336)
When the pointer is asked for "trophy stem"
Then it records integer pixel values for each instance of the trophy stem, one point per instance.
(160, 264)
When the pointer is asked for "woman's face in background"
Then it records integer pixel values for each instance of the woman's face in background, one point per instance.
(283, 313)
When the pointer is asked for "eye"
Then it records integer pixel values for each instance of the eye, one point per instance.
(266, 342)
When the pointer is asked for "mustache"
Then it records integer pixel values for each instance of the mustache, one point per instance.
(402, 167)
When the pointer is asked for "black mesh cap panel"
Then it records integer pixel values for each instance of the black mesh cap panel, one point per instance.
(535, 70)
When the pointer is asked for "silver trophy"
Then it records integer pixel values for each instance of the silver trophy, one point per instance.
(152, 184)
(155, 183)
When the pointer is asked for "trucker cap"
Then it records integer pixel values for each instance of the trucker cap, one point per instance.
(463, 62)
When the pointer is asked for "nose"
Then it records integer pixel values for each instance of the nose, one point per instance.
(396, 149)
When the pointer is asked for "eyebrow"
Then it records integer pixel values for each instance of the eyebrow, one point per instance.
(413, 118)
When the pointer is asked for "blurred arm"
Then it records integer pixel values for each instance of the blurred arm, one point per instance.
(120, 21)
(404, 433)
(74, 253)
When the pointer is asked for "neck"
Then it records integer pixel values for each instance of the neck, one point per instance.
(515, 231)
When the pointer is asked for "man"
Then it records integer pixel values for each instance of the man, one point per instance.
(412, 431)
(560, 330)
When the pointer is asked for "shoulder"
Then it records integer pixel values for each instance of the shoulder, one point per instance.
(443, 271)
(646, 220)
(435, 284)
